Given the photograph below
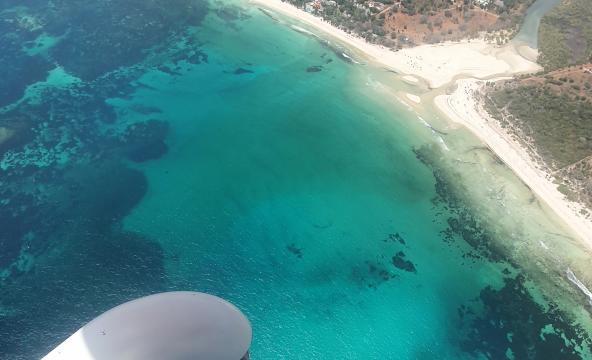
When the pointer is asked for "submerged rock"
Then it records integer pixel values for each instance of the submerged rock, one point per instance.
(314, 68)
(295, 250)
(373, 275)
(509, 318)
(145, 141)
(397, 237)
(400, 262)
(241, 71)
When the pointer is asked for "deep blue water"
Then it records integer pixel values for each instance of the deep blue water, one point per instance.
(150, 146)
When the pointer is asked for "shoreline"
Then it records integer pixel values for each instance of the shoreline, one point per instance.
(467, 64)
(462, 107)
(437, 64)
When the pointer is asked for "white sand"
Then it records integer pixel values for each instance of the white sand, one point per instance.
(416, 99)
(411, 79)
(461, 106)
(441, 64)
(437, 64)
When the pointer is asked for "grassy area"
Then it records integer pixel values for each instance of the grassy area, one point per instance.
(559, 126)
(551, 113)
(565, 35)
(555, 124)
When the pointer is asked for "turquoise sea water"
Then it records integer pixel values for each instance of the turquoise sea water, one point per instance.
(279, 192)
(313, 200)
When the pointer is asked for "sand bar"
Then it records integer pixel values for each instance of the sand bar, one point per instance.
(410, 79)
(416, 99)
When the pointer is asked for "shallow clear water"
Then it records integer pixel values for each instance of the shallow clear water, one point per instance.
(281, 196)
(313, 200)
(529, 29)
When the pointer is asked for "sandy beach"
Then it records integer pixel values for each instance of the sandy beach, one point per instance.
(437, 64)
(463, 107)
(410, 79)
(416, 99)
(474, 60)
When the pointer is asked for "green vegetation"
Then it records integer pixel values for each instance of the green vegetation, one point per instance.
(560, 127)
(553, 112)
(577, 178)
(419, 21)
(512, 11)
(558, 124)
(565, 35)
(423, 7)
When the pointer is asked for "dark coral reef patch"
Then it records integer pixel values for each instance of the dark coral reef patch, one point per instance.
(511, 322)
(145, 141)
(65, 179)
(506, 322)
